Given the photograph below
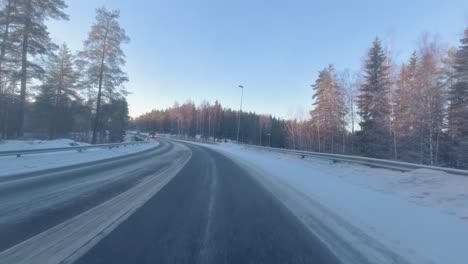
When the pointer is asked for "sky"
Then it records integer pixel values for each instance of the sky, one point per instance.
(202, 50)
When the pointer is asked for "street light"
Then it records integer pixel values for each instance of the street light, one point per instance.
(240, 112)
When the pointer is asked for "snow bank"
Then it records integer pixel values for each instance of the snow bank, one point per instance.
(37, 144)
(27, 163)
(415, 217)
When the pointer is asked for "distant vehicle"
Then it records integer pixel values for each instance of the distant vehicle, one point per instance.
(152, 134)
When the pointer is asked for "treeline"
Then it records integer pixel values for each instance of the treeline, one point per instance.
(415, 112)
(214, 121)
(47, 91)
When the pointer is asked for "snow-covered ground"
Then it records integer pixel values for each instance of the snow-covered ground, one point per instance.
(38, 144)
(27, 163)
(388, 216)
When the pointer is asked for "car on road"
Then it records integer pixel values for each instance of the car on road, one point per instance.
(152, 134)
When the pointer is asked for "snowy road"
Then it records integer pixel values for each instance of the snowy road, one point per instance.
(189, 203)
(213, 211)
(31, 204)
(210, 211)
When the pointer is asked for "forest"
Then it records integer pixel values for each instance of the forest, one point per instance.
(414, 112)
(46, 90)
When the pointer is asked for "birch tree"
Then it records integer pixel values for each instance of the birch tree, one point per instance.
(432, 98)
(349, 85)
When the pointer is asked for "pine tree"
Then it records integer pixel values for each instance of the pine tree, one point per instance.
(58, 91)
(8, 50)
(329, 109)
(103, 58)
(373, 103)
(9, 63)
(35, 40)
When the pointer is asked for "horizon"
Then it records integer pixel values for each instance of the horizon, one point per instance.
(273, 52)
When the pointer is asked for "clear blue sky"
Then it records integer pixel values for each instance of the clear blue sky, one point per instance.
(202, 49)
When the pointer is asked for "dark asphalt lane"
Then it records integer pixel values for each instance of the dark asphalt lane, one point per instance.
(30, 204)
(213, 211)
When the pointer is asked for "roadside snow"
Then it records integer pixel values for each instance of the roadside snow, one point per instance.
(10, 165)
(129, 137)
(38, 144)
(389, 216)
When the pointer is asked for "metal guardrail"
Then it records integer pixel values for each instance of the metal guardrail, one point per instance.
(191, 139)
(372, 162)
(141, 137)
(380, 163)
(19, 153)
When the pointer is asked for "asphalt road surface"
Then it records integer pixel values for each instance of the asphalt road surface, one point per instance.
(206, 209)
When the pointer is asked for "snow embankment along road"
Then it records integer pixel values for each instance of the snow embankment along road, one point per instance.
(10, 165)
(387, 216)
(6, 145)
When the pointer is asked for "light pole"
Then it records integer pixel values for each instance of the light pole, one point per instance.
(240, 112)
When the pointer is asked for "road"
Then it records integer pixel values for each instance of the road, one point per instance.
(178, 203)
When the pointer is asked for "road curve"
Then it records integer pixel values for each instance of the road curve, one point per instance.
(179, 203)
(213, 211)
(32, 203)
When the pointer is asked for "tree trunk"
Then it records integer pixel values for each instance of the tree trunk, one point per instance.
(24, 62)
(5, 37)
(437, 148)
(98, 103)
(318, 137)
(98, 107)
(24, 71)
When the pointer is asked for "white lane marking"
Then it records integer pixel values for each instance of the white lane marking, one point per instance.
(68, 241)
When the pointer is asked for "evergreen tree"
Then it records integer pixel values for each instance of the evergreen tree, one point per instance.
(103, 58)
(115, 114)
(329, 109)
(35, 40)
(57, 93)
(374, 105)
(9, 62)
(8, 50)
(458, 106)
